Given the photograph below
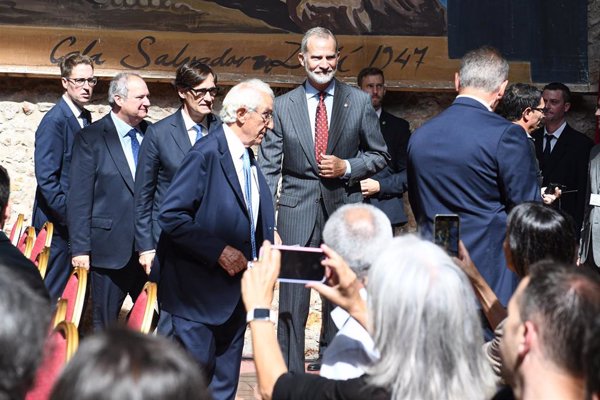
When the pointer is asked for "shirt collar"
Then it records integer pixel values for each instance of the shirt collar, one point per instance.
(236, 147)
(123, 128)
(557, 132)
(189, 122)
(311, 91)
(75, 109)
(477, 99)
(378, 112)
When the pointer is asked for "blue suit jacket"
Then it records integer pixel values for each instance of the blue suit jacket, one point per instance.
(474, 163)
(165, 145)
(203, 211)
(53, 149)
(392, 179)
(100, 205)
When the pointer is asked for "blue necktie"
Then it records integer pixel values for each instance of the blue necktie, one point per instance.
(198, 129)
(248, 186)
(135, 145)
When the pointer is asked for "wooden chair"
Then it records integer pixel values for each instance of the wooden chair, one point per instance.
(15, 232)
(74, 293)
(43, 239)
(41, 261)
(60, 313)
(26, 241)
(60, 346)
(142, 313)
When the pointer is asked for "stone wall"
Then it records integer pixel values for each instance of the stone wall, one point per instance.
(23, 102)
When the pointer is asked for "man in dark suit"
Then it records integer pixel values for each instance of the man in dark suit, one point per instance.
(216, 213)
(164, 146)
(563, 152)
(474, 163)
(325, 139)
(52, 156)
(10, 256)
(100, 208)
(384, 189)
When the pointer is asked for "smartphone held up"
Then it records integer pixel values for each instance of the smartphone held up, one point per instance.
(446, 232)
(301, 264)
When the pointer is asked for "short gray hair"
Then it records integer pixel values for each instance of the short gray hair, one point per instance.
(319, 32)
(243, 95)
(425, 325)
(118, 86)
(358, 233)
(483, 68)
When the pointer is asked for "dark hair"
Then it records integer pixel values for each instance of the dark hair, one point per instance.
(368, 71)
(566, 92)
(563, 301)
(191, 74)
(122, 364)
(536, 232)
(4, 189)
(71, 61)
(25, 321)
(517, 98)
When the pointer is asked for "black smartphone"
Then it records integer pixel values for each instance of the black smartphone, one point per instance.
(446, 232)
(551, 186)
(301, 264)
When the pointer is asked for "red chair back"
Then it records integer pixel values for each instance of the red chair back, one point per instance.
(43, 239)
(15, 232)
(142, 312)
(60, 347)
(74, 293)
(26, 240)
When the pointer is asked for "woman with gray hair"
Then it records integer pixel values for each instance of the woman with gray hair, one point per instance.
(422, 315)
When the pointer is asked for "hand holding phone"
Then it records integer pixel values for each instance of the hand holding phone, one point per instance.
(446, 232)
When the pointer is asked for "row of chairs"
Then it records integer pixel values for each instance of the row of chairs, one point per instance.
(35, 246)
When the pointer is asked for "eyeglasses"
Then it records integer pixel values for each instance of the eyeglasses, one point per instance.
(266, 116)
(542, 110)
(213, 91)
(79, 82)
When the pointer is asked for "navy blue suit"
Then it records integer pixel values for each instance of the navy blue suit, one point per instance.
(392, 179)
(53, 147)
(203, 211)
(474, 163)
(100, 217)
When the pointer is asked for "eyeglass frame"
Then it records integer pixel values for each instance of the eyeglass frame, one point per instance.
(542, 110)
(265, 115)
(201, 93)
(80, 82)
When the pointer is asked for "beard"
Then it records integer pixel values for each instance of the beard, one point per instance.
(321, 79)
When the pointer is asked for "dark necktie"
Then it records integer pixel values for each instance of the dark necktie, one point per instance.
(86, 116)
(548, 148)
(198, 128)
(135, 145)
(321, 128)
(248, 188)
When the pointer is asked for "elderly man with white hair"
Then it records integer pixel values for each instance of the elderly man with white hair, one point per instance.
(216, 211)
(358, 233)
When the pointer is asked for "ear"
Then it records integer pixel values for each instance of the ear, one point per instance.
(119, 100)
(241, 114)
(181, 93)
(530, 338)
(301, 59)
(456, 81)
(525, 114)
(502, 88)
(64, 82)
(567, 107)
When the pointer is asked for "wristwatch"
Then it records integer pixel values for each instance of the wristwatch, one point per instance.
(261, 314)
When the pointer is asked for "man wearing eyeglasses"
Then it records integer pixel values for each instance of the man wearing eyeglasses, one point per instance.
(164, 146)
(52, 156)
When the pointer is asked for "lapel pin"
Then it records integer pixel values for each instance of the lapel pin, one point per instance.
(382, 122)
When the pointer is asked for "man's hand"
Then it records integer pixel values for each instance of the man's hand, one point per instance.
(331, 166)
(146, 260)
(81, 261)
(232, 260)
(369, 187)
(258, 283)
(552, 197)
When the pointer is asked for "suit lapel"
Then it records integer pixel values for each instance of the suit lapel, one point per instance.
(561, 146)
(71, 118)
(301, 122)
(229, 169)
(340, 106)
(594, 165)
(111, 138)
(180, 134)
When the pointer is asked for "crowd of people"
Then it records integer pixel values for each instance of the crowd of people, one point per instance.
(186, 203)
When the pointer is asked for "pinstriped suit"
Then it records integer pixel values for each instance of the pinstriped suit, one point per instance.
(306, 200)
(589, 249)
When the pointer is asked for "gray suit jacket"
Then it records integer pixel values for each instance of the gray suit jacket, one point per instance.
(288, 152)
(590, 230)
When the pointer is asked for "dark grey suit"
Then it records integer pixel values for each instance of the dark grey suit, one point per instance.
(306, 200)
